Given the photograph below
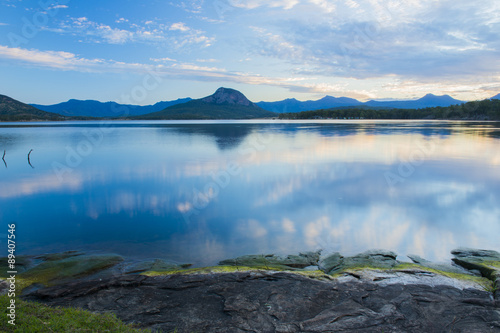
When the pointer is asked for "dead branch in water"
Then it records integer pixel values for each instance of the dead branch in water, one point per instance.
(3, 158)
(29, 162)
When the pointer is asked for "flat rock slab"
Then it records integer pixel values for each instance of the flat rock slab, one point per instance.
(278, 302)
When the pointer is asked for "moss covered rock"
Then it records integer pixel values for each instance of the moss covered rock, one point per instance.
(336, 263)
(275, 262)
(155, 265)
(49, 272)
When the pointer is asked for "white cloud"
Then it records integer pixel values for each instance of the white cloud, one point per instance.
(166, 59)
(179, 26)
(252, 4)
(53, 59)
(207, 60)
(176, 35)
(59, 7)
(3, 24)
(60, 60)
(329, 6)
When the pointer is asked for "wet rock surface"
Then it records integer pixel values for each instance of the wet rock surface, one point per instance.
(279, 302)
(335, 263)
(272, 261)
(368, 292)
(486, 262)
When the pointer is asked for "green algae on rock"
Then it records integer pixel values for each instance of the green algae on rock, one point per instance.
(335, 262)
(154, 265)
(71, 267)
(275, 262)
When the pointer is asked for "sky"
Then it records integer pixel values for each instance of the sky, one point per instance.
(143, 52)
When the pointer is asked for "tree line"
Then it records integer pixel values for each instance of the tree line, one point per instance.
(477, 110)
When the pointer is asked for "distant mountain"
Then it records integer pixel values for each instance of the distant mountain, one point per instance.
(329, 102)
(225, 103)
(496, 97)
(428, 100)
(90, 108)
(13, 110)
(293, 105)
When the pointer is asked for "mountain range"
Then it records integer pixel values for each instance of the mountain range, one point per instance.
(225, 103)
(91, 108)
(329, 102)
(13, 110)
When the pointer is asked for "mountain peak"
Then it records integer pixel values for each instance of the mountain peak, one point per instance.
(432, 96)
(227, 96)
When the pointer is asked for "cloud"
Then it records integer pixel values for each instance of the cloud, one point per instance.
(166, 59)
(178, 34)
(59, 7)
(179, 26)
(327, 6)
(192, 6)
(370, 39)
(253, 4)
(52, 59)
(3, 24)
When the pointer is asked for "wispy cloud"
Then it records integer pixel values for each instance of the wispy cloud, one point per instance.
(252, 4)
(370, 39)
(60, 60)
(191, 6)
(177, 34)
(174, 69)
(59, 7)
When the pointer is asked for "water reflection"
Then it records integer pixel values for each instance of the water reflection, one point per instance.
(201, 192)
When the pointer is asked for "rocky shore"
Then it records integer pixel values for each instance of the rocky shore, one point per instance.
(308, 292)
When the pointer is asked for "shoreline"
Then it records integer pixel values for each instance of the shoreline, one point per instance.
(306, 292)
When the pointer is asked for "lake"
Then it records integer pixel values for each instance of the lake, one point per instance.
(201, 191)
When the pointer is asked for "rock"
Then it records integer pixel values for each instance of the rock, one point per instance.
(476, 255)
(485, 261)
(274, 262)
(22, 264)
(155, 265)
(70, 268)
(413, 276)
(59, 256)
(437, 266)
(335, 263)
(331, 262)
(4, 287)
(278, 302)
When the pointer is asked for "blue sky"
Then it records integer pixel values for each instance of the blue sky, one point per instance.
(142, 52)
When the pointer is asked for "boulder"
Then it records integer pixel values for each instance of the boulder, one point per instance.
(72, 267)
(437, 266)
(335, 263)
(154, 265)
(275, 262)
(485, 261)
(331, 262)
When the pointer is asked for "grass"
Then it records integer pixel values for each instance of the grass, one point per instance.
(36, 317)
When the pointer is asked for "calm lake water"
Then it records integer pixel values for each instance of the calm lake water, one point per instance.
(200, 192)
